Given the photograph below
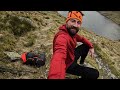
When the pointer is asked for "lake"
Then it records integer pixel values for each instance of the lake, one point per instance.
(99, 24)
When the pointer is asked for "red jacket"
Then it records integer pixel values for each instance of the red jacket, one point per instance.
(63, 52)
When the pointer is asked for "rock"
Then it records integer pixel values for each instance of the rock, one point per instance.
(13, 56)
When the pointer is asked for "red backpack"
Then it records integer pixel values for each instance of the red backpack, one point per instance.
(30, 58)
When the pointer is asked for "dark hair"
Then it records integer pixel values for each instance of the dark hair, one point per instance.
(80, 12)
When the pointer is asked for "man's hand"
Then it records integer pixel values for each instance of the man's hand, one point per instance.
(91, 51)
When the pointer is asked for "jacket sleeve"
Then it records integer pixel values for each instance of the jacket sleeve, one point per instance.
(84, 40)
(57, 64)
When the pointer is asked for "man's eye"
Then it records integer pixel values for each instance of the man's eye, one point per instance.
(79, 22)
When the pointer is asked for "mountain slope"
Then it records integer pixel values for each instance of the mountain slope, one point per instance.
(34, 30)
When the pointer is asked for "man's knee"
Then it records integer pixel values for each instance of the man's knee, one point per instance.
(83, 47)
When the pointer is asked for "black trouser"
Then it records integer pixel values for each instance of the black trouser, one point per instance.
(76, 69)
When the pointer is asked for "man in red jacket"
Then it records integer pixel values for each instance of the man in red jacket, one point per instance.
(66, 54)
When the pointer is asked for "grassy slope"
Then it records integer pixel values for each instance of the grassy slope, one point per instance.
(36, 33)
(107, 50)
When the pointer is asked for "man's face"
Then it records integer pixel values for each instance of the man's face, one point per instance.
(73, 26)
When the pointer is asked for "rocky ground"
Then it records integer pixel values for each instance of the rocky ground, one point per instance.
(34, 30)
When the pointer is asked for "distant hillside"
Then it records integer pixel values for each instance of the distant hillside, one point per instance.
(22, 31)
(113, 15)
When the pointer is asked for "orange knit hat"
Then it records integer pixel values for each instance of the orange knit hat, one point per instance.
(75, 14)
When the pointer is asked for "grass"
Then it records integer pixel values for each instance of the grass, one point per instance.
(7, 41)
(30, 40)
(19, 26)
(106, 59)
(16, 25)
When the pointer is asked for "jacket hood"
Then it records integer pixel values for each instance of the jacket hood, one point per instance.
(63, 28)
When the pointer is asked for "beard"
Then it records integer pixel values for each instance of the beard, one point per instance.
(72, 30)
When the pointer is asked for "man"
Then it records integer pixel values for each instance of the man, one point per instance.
(66, 54)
